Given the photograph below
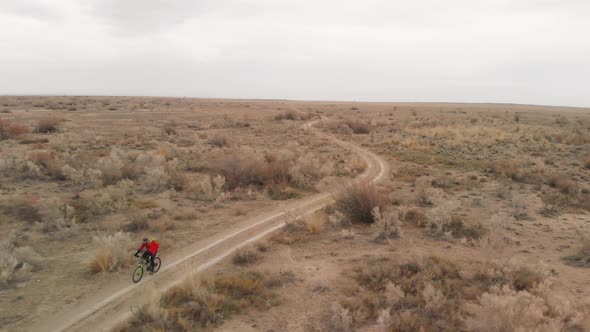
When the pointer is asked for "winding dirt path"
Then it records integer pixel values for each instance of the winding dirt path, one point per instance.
(106, 310)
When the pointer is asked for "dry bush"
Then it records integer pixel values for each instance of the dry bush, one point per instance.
(293, 115)
(428, 294)
(358, 200)
(506, 309)
(56, 216)
(17, 263)
(49, 163)
(240, 169)
(563, 183)
(11, 131)
(116, 166)
(308, 170)
(135, 223)
(169, 129)
(111, 253)
(509, 168)
(245, 256)
(156, 180)
(519, 208)
(47, 125)
(196, 304)
(426, 195)
(414, 217)
(111, 199)
(199, 187)
(219, 141)
(315, 223)
(358, 127)
(582, 255)
(387, 223)
(84, 178)
(442, 223)
(25, 208)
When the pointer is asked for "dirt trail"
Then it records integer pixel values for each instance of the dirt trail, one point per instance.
(104, 311)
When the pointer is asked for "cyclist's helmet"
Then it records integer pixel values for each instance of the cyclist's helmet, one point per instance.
(145, 239)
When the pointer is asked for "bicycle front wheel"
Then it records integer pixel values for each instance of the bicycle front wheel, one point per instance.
(137, 274)
(157, 264)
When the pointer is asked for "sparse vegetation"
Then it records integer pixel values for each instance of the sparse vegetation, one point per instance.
(197, 304)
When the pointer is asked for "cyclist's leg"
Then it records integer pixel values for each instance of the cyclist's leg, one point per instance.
(153, 256)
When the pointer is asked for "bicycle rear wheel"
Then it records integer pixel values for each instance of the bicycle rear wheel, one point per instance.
(157, 264)
(137, 274)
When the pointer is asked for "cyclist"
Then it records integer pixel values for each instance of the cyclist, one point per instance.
(151, 249)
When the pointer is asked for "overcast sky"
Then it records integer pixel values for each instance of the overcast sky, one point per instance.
(525, 51)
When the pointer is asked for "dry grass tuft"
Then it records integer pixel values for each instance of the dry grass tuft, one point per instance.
(11, 131)
(47, 125)
(358, 200)
(111, 253)
(315, 223)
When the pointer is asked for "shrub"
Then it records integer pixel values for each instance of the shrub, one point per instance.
(47, 125)
(11, 131)
(219, 141)
(111, 253)
(111, 199)
(197, 304)
(245, 256)
(50, 164)
(509, 168)
(505, 309)
(426, 195)
(388, 224)
(156, 180)
(239, 169)
(315, 223)
(17, 263)
(414, 216)
(358, 127)
(431, 294)
(135, 223)
(582, 255)
(293, 115)
(358, 200)
(563, 183)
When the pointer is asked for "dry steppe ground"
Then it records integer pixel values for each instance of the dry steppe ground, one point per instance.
(482, 225)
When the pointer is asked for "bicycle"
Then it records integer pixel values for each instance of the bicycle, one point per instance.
(143, 265)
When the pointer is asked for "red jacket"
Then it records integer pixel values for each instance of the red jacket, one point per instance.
(151, 246)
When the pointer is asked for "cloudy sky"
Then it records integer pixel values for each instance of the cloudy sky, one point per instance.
(525, 51)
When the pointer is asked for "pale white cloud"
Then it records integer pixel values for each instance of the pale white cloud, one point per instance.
(530, 51)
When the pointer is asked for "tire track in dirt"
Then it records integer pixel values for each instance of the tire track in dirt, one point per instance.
(104, 314)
